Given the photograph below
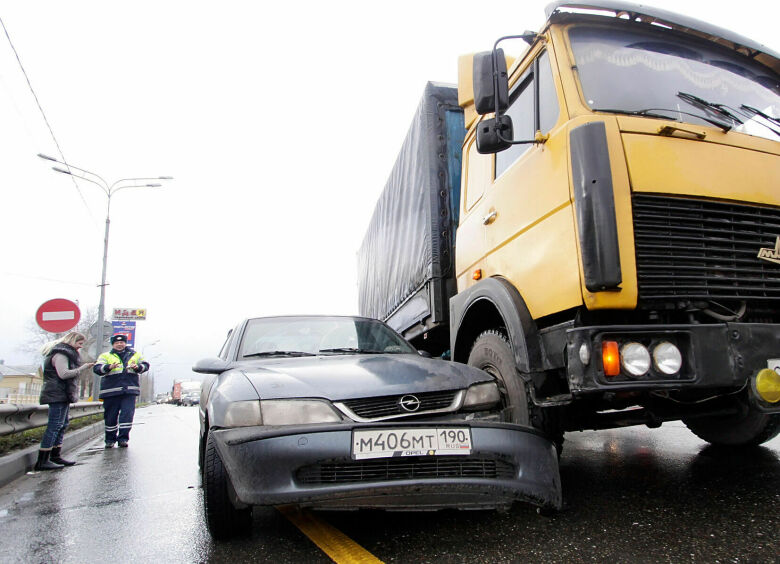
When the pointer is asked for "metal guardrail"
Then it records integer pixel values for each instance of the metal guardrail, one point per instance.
(15, 418)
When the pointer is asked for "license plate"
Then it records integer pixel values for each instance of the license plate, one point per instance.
(386, 443)
(774, 364)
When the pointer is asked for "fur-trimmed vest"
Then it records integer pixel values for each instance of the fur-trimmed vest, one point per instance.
(55, 389)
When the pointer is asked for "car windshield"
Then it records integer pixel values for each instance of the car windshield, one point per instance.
(646, 71)
(305, 336)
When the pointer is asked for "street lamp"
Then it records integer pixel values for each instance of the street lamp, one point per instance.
(109, 190)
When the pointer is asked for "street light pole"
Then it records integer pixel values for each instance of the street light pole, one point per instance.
(109, 191)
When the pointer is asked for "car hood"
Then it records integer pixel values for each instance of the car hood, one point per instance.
(342, 377)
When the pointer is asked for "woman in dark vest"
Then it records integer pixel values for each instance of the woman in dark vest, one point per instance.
(61, 370)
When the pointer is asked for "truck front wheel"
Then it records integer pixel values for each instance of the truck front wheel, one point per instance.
(745, 429)
(493, 354)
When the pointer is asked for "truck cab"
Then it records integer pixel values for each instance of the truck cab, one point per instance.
(618, 244)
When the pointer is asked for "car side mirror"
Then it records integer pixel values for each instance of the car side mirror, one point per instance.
(211, 366)
(425, 354)
(486, 83)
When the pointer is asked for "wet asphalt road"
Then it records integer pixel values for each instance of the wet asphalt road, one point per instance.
(631, 495)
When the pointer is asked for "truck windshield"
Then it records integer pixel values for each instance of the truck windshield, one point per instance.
(650, 72)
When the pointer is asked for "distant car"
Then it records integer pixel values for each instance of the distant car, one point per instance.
(343, 413)
(191, 399)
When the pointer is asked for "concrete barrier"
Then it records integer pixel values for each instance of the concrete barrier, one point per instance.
(18, 463)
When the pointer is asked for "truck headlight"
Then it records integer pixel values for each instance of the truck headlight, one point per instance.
(298, 412)
(667, 358)
(635, 359)
(481, 396)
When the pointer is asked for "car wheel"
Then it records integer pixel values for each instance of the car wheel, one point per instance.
(750, 428)
(493, 353)
(222, 518)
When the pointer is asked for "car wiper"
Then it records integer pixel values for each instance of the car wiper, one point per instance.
(651, 112)
(279, 353)
(717, 108)
(350, 350)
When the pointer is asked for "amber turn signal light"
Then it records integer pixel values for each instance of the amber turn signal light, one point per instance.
(477, 274)
(610, 358)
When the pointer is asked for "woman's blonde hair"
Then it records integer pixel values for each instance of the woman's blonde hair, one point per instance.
(70, 339)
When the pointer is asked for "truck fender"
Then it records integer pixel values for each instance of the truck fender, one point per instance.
(490, 304)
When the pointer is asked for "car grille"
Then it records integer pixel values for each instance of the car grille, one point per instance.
(386, 406)
(406, 468)
(700, 249)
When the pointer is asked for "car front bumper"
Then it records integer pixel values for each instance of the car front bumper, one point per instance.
(313, 467)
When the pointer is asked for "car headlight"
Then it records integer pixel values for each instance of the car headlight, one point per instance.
(243, 414)
(481, 396)
(298, 412)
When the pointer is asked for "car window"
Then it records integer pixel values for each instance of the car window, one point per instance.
(319, 335)
(224, 350)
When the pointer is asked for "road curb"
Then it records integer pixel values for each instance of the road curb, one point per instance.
(18, 463)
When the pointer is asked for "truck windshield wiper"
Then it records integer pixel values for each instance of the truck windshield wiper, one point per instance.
(766, 116)
(717, 108)
(651, 112)
(643, 113)
(350, 350)
(279, 353)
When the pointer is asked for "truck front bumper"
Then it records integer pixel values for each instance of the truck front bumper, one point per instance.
(716, 358)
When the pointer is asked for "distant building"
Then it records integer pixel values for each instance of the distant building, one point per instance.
(20, 384)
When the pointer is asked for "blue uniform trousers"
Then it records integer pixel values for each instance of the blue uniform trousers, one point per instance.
(118, 416)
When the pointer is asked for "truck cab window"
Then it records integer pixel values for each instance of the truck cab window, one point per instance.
(477, 175)
(533, 105)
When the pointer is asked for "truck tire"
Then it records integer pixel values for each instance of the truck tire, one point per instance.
(742, 430)
(492, 353)
(222, 518)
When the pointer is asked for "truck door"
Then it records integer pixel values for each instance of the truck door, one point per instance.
(529, 232)
(477, 175)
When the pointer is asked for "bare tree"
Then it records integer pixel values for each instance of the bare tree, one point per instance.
(37, 337)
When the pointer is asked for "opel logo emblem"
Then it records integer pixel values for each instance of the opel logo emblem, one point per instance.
(409, 403)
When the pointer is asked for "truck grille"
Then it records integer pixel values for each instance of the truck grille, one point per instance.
(411, 468)
(387, 406)
(704, 250)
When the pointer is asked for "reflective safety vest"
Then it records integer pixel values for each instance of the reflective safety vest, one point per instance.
(119, 380)
(111, 358)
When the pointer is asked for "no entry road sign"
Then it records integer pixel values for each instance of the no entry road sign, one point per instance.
(58, 315)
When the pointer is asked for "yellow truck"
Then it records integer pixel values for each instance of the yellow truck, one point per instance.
(596, 223)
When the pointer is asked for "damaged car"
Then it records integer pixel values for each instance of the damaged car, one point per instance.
(333, 412)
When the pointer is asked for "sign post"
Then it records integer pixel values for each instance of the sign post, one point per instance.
(58, 315)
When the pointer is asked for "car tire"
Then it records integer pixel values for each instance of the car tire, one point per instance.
(222, 518)
(750, 428)
(492, 352)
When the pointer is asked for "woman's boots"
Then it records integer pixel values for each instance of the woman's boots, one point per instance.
(44, 462)
(57, 459)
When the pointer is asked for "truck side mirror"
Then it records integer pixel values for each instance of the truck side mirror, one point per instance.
(485, 85)
(488, 139)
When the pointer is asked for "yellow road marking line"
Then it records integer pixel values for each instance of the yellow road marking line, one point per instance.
(338, 546)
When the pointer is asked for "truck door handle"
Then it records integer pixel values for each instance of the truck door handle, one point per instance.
(489, 218)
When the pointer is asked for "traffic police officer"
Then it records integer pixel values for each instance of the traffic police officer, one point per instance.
(119, 387)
